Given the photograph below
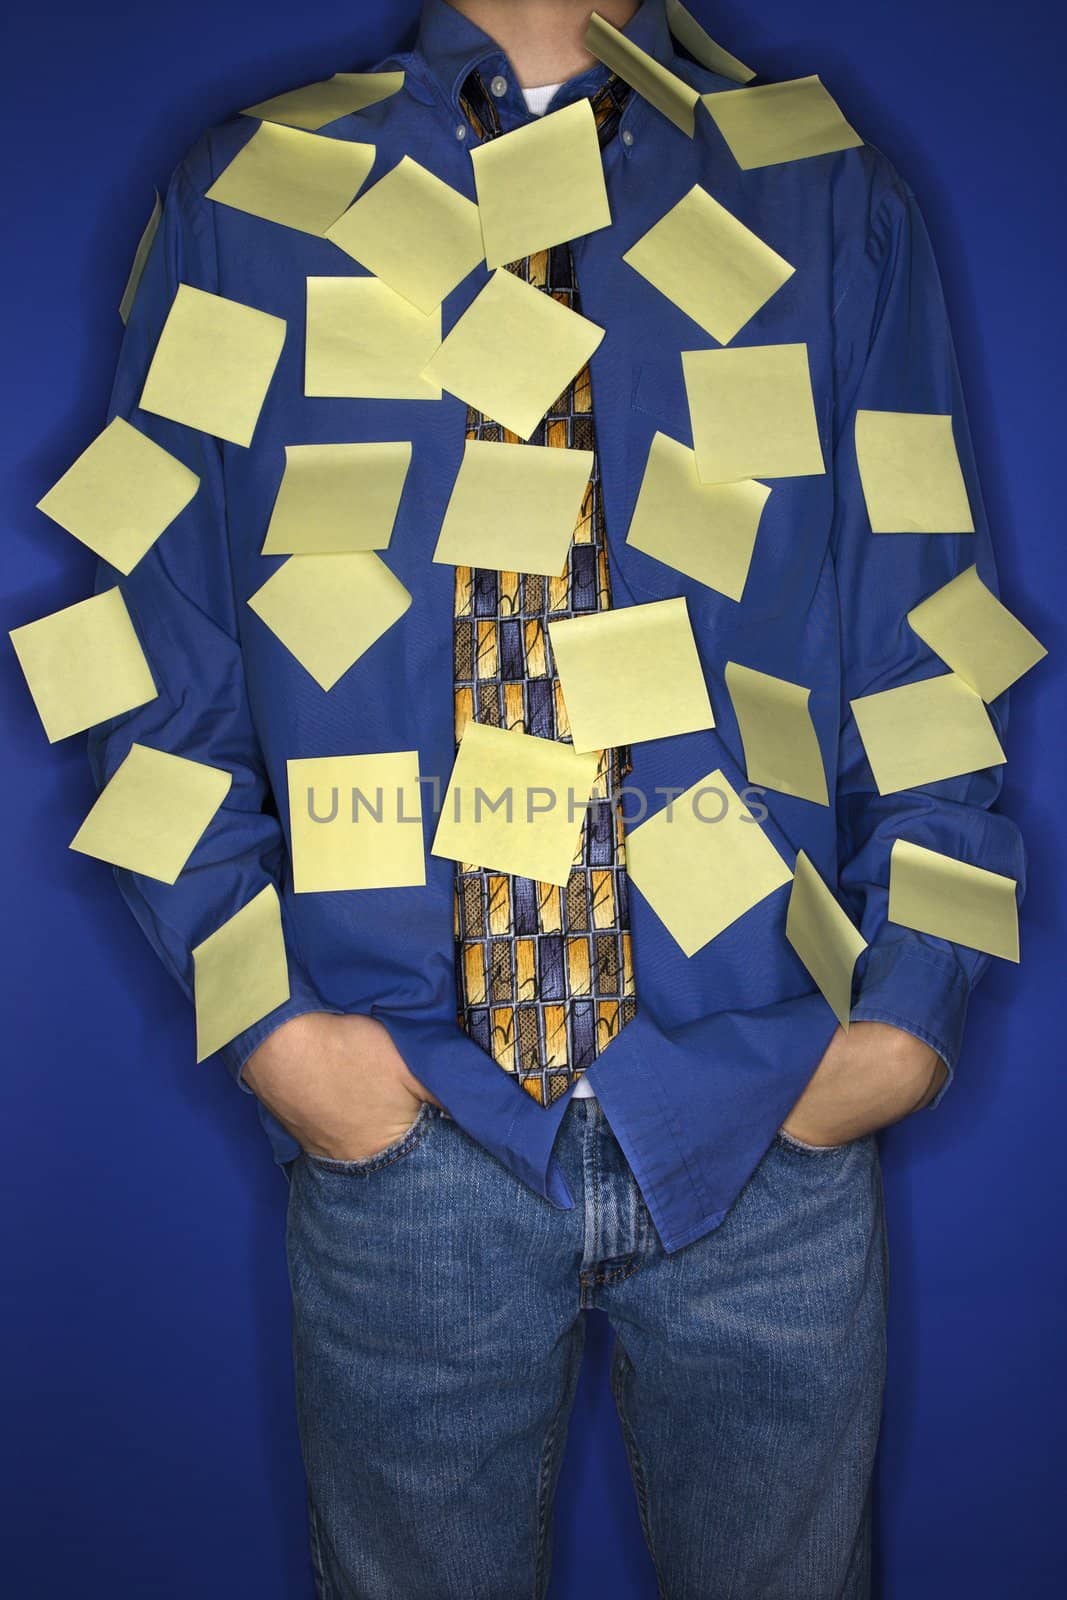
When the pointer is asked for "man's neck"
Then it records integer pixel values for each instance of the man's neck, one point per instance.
(543, 38)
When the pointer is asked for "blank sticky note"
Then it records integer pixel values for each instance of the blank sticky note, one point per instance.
(140, 259)
(541, 184)
(415, 232)
(780, 122)
(356, 822)
(337, 497)
(824, 938)
(923, 732)
(629, 674)
(654, 82)
(975, 635)
(83, 664)
(301, 180)
(213, 364)
(365, 341)
(120, 494)
(781, 748)
(327, 610)
(240, 973)
(150, 815)
(514, 507)
(513, 352)
(950, 899)
(515, 804)
(709, 264)
(702, 47)
(753, 412)
(705, 530)
(702, 862)
(910, 472)
(315, 104)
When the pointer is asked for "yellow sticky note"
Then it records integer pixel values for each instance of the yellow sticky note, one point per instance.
(780, 122)
(923, 732)
(140, 259)
(120, 494)
(213, 364)
(975, 635)
(629, 674)
(83, 664)
(823, 937)
(910, 472)
(240, 973)
(150, 815)
(753, 412)
(514, 507)
(327, 610)
(315, 104)
(515, 804)
(706, 530)
(337, 497)
(356, 822)
(541, 184)
(950, 899)
(513, 352)
(365, 341)
(709, 264)
(415, 232)
(301, 180)
(703, 861)
(781, 748)
(702, 47)
(653, 81)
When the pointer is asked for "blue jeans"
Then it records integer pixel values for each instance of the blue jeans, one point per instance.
(438, 1332)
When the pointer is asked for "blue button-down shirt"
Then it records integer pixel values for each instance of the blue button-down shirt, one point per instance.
(724, 1041)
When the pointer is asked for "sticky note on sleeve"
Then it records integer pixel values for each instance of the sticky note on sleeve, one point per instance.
(939, 895)
(83, 664)
(240, 973)
(975, 635)
(910, 472)
(924, 732)
(150, 815)
(824, 937)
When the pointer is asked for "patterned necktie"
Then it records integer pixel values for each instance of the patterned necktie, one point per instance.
(544, 975)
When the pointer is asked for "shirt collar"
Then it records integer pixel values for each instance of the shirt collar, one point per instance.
(451, 46)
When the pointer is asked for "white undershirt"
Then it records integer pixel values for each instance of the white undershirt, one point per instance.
(537, 101)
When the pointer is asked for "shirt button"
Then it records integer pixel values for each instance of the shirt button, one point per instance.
(498, 86)
(461, 130)
(627, 137)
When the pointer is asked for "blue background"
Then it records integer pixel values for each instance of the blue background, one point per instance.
(145, 1339)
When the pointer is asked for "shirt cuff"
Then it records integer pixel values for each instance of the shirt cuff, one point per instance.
(915, 987)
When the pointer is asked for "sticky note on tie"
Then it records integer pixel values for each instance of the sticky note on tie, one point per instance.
(365, 341)
(515, 804)
(924, 732)
(781, 748)
(776, 122)
(824, 938)
(709, 264)
(541, 184)
(337, 497)
(415, 232)
(120, 494)
(313, 105)
(301, 180)
(213, 364)
(629, 674)
(356, 822)
(83, 664)
(702, 862)
(910, 472)
(240, 973)
(939, 895)
(975, 635)
(151, 814)
(705, 530)
(514, 507)
(328, 610)
(654, 82)
(702, 47)
(513, 352)
(753, 412)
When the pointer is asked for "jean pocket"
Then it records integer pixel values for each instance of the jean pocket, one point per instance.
(792, 1143)
(407, 1142)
